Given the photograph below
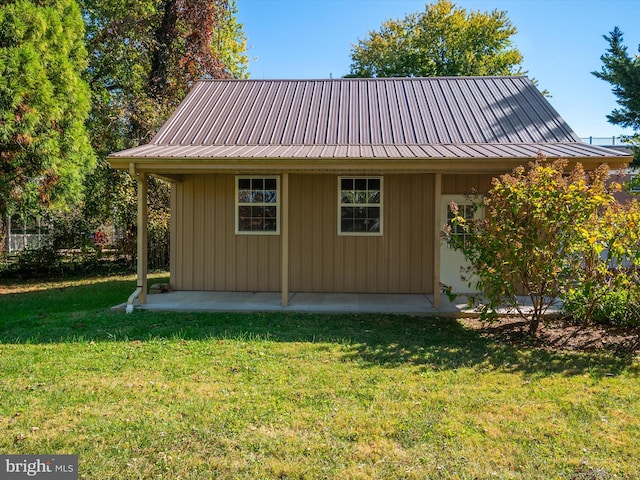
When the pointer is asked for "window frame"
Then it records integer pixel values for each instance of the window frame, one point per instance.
(456, 231)
(238, 204)
(379, 205)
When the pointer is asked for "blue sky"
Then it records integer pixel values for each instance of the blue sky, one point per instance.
(561, 41)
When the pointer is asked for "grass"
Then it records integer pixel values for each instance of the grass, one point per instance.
(275, 396)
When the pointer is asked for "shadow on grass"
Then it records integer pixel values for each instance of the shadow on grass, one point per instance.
(56, 297)
(80, 314)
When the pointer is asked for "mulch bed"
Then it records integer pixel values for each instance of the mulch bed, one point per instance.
(560, 334)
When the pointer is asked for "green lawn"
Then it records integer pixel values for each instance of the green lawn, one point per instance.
(285, 396)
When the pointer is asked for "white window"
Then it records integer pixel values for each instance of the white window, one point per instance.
(466, 211)
(257, 205)
(360, 205)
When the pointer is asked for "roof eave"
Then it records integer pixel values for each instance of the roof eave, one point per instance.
(173, 166)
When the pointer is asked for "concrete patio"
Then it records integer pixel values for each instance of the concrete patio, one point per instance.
(198, 301)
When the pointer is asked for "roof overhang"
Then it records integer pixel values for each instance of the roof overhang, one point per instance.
(172, 170)
(172, 161)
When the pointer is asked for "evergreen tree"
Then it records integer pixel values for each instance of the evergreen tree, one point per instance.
(623, 72)
(44, 147)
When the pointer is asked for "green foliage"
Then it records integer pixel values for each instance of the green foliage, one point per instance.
(549, 235)
(623, 73)
(35, 262)
(75, 246)
(44, 147)
(158, 228)
(620, 307)
(609, 255)
(47, 262)
(444, 40)
(230, 43)
(146, 54)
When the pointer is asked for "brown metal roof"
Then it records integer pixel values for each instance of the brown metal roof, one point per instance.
(453, 151)
(452, 117)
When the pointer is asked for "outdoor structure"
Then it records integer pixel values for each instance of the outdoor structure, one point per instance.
(23, 233)
(337, 185)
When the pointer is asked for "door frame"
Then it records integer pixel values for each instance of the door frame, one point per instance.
(451, 261)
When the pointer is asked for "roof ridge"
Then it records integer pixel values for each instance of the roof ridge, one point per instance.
(539, 142)
(360, 79)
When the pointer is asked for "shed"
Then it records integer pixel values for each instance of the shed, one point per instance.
(337, 185)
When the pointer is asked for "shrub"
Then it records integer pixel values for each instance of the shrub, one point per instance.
(615, 307)
(75, 247)
(32, 262)
(549, 235)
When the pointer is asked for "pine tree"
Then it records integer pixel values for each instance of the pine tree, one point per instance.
(44, 102)
(623, 72)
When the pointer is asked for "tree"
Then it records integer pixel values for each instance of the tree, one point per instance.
(44, 146)
(145, 55)
(606, 287)
(230, 44)
(444, 40)
(623, 72)
(550, 234)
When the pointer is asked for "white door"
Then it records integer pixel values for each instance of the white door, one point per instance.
(453, 266)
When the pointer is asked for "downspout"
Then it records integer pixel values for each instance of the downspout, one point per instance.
(140, 292)
(132, 297)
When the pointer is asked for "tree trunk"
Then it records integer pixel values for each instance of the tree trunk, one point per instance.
(534, 323)
(161, 59)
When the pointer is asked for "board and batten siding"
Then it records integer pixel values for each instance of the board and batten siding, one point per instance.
(465, 184)
(206, 254)
(398, 261)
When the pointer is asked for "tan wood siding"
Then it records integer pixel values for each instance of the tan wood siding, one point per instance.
(399, 261)
(208, 255)
(206, 252)
(462, 184)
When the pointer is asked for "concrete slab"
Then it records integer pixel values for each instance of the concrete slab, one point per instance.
(198, 301)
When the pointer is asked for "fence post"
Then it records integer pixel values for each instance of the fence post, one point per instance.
(8, 239)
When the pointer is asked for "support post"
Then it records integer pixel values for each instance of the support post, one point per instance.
(284, 237)
(141, 178)
(437, 220)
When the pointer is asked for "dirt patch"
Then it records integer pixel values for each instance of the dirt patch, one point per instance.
(558, 334)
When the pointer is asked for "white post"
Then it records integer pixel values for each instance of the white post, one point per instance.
(142, 237)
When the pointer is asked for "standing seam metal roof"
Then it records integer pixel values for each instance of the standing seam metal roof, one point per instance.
(390, 111)
(473, 117)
